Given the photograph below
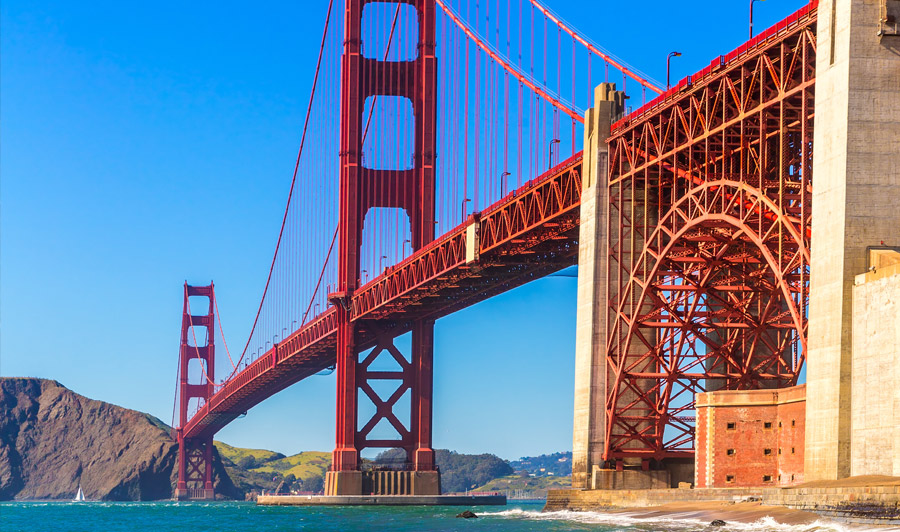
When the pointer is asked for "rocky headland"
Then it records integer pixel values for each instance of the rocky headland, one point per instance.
(53, 439)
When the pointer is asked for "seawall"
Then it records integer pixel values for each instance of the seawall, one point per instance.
(855, 500)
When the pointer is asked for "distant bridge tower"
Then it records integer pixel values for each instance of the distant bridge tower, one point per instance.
(362, 189)
(195, 478)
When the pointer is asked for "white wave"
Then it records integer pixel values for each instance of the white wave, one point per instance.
(672, 522)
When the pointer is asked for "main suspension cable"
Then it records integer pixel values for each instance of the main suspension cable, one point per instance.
(621, 66)
(293, 183)
(521, 76)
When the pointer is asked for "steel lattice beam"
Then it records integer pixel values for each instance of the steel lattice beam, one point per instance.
(708, 238)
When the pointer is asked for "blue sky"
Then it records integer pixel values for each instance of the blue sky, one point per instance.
(145, 144)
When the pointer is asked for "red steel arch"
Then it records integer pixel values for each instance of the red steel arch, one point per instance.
(708, 236)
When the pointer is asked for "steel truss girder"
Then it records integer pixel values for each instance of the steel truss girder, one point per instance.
(708, 241)
(541, 218)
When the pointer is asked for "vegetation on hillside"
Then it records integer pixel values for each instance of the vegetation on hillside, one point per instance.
(537, 486)
(459, 472)
(254, 470)
(545, 465)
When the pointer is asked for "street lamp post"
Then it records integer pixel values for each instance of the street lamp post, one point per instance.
(503, 183)
(552, 142)
(669, 68)
(751, 15)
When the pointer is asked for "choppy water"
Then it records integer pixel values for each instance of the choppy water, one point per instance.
(247, 517)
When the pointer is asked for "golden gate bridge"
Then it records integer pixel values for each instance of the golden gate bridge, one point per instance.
(441, 163)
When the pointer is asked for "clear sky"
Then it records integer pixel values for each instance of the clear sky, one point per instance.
(144, 144)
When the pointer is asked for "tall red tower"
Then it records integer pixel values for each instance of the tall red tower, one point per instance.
(195, 479)
(361, 189)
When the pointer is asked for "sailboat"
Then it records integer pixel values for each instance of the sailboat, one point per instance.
(79, 497)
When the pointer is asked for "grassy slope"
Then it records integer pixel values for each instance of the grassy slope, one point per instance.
(307, 465)
(270, 465)
(236, 453)
(517, 482)
(304, 465)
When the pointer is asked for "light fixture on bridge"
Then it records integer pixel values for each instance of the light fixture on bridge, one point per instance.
(552, 142)
(669, 68)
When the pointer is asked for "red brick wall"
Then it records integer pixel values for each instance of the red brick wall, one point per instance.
(750, 438)
(792, 417)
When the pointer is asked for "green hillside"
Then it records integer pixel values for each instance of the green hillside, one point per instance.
(537, 485)
(254, 470)
(305, 465)
(236, 454)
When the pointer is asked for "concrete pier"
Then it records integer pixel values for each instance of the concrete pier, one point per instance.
(381, 500)
(856, 193)
(875, 369)
(590, 331)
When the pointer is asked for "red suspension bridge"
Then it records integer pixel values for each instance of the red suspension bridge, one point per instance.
(455, 174)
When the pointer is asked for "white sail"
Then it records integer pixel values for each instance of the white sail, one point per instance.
(79, 497)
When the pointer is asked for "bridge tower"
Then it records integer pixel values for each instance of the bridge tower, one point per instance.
(854, 208)
(195, 478)
(361, 189)
(592, 372)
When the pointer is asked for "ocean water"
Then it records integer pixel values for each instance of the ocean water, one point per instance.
(247, 517)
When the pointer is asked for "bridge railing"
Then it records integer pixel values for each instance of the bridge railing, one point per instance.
(800, 17)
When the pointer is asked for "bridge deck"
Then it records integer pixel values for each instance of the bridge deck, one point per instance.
(529, 234)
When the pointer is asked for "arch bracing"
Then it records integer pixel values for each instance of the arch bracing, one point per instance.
(708, 239)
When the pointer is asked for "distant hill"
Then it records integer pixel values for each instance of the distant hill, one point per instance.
(556, 464)
(535, 486)
(534, 475)
(254, 470)
(53, 439)
(459, 472)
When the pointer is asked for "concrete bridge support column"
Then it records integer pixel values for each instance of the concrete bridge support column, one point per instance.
(591, 370)
(856, 194)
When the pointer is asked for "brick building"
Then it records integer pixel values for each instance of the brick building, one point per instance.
(750, 437)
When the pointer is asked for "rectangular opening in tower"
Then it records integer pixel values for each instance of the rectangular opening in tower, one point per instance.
(388, 133)
(390, 31)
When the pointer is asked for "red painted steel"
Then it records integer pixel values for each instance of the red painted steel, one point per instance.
(530, 234)
(521, 77)
(708, 238)
(708, 231)
(195, 453)
(606, 57)
(361, 189)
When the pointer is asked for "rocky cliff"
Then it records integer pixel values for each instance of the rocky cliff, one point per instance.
(52, 439)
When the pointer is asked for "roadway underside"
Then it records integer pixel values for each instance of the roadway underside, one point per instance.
(530, 234)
